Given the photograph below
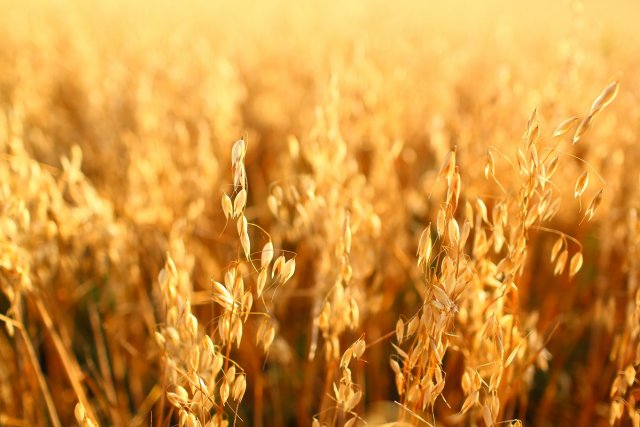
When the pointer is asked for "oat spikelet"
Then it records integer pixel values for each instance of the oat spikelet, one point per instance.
(227, 207)
(591, 210)
(575, 264)
(585, 123)
(561, 262)
(267, 255)
(557, 246)
(566, 126)
(490, 168)
(581, 184)
(605, 98)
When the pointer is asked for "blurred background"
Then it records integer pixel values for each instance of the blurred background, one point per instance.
(118, 119)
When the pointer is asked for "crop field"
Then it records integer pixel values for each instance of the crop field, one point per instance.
(319, 213)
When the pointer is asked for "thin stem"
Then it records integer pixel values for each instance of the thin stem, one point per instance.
(36, 368)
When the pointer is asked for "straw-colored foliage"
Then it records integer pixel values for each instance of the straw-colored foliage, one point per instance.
(318, 214)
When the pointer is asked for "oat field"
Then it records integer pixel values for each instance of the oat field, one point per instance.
(319, 213)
